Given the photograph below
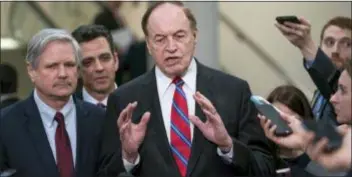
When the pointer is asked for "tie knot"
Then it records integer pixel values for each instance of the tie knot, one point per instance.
(178, 81)
(101, 105)
(59, 118)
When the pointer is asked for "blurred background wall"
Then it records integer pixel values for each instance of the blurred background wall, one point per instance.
(236, 37)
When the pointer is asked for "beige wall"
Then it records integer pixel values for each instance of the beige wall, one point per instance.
(257, 20)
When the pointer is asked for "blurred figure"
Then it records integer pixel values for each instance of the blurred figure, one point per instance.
(335, 43)
(293, 102)
(98, 65)
(8, 85)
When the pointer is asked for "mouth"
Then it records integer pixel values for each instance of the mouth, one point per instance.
(102, 78)
(172, 60)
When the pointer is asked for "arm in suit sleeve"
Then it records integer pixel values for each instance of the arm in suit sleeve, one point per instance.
(3, 156)
(323, 73)
(110, 160)
(252, 151)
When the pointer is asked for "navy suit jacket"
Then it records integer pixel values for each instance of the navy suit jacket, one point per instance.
(24, 145)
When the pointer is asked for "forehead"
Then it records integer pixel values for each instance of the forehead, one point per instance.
(167, 18)
(99, 43)
(337, 32)
(58, 50)
(345, 79)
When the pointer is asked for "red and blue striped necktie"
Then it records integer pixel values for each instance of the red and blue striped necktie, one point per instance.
(180, 128)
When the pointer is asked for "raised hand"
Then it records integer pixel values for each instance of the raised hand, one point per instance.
(131, 135)
(213, 129)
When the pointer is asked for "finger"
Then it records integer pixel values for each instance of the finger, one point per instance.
(145, 119)
(286, 30)
(304, 21)
(211, 117)
(122, 116)
(131, 108)
(197, 122)
(318, 148)
(204, 102)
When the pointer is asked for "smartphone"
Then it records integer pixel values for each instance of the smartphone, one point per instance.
(271, 112)
(324, 129)
(283, 19)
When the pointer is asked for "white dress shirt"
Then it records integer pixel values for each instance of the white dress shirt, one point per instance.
(166, 91)
(89, 98)
(47, 115)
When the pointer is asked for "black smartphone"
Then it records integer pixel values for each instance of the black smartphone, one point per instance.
(324, 129)
(270, 112)
(283, 19)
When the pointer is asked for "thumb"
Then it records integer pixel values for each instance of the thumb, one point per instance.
(145, 119)
(304, 21)
(343, 129)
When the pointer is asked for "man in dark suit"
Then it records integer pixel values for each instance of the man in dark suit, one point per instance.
(98, 65)
(335, 43)
(50, 133)
(8, 85)
(182, 118)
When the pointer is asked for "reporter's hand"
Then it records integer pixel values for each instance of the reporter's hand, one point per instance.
(297, 140)
(299, 35)
(339, 159)
(131, 135)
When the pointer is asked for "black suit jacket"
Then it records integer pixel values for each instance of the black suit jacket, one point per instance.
(325, 76)
(230, 96)
(8, 102)
(24, 145)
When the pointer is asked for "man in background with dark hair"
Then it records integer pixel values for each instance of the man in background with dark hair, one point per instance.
(335, 43)
(98, 65)
(8, 85)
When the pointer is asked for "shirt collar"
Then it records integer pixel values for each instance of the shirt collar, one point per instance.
(47, 113)
(89, 98)
(163, 82)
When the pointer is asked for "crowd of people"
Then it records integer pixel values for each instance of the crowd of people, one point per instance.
(179, 119)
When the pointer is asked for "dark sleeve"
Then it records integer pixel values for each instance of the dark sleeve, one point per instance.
(110, 160)
(252, 150)
(3, 156)
(324, 74)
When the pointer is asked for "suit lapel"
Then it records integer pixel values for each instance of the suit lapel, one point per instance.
(37, 133)
(156, 124)
(202, 85)
(82, 127)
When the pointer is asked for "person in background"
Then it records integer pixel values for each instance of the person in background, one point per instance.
(323, 63)
(98, 65)
(302, 139)
(8, 85)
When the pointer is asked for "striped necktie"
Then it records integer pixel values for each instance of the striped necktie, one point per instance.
(180, 128)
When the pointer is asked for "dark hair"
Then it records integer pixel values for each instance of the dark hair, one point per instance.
(187, 11)
(86, 33)
(8, 79)
(293, 98)
(341, 22)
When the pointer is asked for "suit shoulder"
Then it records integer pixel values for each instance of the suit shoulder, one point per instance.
(132, 85)
(222, 78)
(97, 111)
(12, 112)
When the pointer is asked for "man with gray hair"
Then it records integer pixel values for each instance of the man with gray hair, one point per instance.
(50, 133)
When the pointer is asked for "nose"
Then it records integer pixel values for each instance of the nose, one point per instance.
(171, 45)
(333, 99)
(98, 66)
(62, 71)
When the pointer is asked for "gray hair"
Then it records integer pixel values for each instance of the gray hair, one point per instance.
(40, 40)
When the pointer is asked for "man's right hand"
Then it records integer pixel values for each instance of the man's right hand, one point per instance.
(131, 135)
(299, 35)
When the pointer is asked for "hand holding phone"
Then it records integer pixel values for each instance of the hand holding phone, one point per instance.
(324, 129)
(272, 113)
(283, 19)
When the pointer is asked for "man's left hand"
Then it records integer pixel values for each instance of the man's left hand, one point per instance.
(213, 128)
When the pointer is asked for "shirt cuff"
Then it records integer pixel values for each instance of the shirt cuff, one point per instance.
(308, 63)
(128, 165)
(226, 156)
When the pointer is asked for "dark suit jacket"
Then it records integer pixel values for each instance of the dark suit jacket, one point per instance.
(325, 76)
(8, 102)
(24, 145)
(230, 96)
